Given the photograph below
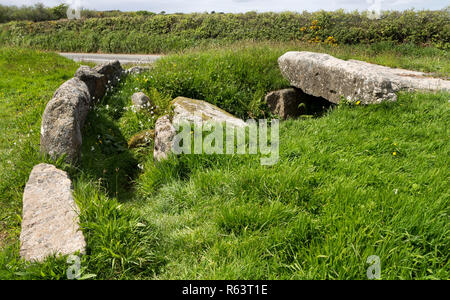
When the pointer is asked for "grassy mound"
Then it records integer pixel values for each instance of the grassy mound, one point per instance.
(356, 182)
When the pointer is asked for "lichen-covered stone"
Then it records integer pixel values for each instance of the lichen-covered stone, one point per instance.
(50, 216)
(142, 139)
(198, 111)
(284, 103)
(112, 70)
(164, 135)
(322, 75)
(95, 81)
(140, 101)
(63, 119)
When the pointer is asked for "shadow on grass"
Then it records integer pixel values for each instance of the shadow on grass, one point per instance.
(106, 157)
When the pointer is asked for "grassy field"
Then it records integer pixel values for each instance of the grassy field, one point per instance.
(355, 182)
(177, 32)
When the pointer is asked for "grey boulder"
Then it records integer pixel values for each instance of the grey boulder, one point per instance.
(63, 119)
(137, 70)
(322, 75)
(50, 216)
(284, 103)
(198, 111)
(140, 101)
(112, 71)
(95, 81)
(164, 135)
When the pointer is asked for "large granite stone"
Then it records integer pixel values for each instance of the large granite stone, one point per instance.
(63, 119)
(50, 216)
(322, 75)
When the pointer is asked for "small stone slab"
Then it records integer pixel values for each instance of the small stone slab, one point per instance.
(140, 101)
(164, 135)
(96, 82)
(142, 139)
(137, 70)
(112, 70)
(198, 111)
(50, 216)
(284, 103)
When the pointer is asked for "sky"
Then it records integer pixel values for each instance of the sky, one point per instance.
(172, 6)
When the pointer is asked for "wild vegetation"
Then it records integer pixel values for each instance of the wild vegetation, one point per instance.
(144, 33)
(355, 182)
(39, 13)
(34, 13)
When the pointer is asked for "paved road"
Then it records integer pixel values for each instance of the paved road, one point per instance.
(101, 58)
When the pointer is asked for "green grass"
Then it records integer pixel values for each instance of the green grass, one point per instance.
(337, 195)
(120, 243)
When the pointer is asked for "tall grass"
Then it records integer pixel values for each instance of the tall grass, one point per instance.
(356, 182)
(119, 242)
(359, 181)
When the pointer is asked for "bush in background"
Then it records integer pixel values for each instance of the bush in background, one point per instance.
(143, 32)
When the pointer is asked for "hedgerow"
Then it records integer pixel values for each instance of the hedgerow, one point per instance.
(143, 33)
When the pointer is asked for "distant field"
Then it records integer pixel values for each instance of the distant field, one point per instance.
(356, 182)
(176, 32)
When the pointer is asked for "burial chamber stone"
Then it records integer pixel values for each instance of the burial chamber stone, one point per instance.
(63, 120)
(192, 111)
(323, 75)
(198, 111)
(66, 112)
(50, 216)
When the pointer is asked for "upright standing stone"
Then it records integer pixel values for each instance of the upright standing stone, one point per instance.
(164, 135)
(95, 81)
(112, 70)
(284, 103)
(63, 120)
(50, 216)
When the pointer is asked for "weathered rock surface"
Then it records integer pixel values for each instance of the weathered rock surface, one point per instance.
(322, 75)
(50, 216)
(164, 135)
(141, 139)
(63, 120)
(198, 111)
(112, 70)
(140, 101)
(95, 81)
(284, 103)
